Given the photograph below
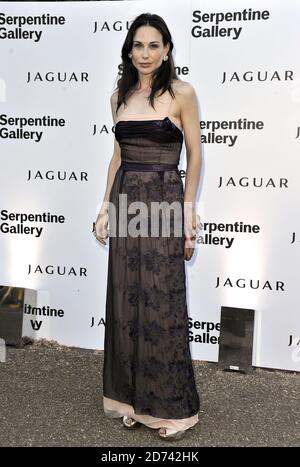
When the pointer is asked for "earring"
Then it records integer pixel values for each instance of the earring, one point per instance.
(130, 55)
(165, 58)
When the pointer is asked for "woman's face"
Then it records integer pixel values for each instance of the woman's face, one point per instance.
(148, 49)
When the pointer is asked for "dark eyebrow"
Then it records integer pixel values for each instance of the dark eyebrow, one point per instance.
(152, 42)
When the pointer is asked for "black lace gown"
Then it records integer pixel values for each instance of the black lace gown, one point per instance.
(148, 372)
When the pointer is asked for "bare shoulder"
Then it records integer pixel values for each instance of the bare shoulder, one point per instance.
(113, 103)
(183, 90)
(114, 98)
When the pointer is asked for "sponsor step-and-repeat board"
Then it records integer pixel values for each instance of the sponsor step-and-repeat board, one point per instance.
(60, 62)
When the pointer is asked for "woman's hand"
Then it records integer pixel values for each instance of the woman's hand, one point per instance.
(191, 228)
(100, 227)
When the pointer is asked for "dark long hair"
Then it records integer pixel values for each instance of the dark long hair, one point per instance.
(162, 77)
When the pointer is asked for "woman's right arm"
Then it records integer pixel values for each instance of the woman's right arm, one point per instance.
(101, 224)
(115, 160)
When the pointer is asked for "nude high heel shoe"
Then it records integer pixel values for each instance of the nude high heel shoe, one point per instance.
(168, 433)
(130, 422)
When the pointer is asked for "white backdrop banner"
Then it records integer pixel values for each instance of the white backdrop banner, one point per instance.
(59, 65)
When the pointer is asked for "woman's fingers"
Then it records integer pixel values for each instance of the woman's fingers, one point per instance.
(101, 238)
(188, 253)
(100, 227)
(189, 246)
(102, 235)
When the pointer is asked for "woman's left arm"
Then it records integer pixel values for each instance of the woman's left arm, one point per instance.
(191, 126)
(192, 136)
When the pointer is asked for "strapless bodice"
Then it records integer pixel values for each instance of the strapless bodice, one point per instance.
(155, 141)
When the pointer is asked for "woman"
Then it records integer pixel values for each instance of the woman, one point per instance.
(148, 374)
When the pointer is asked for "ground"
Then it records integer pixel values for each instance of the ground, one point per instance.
(51, 395)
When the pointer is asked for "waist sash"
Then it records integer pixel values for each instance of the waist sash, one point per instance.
(136, 166)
